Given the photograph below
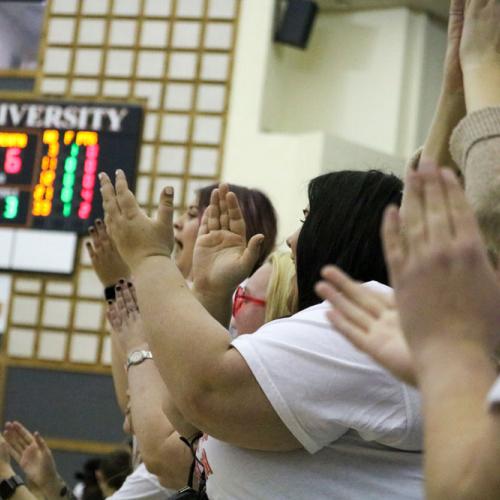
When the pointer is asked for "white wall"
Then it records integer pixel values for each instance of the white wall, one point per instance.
(346, 83)
(362, 94)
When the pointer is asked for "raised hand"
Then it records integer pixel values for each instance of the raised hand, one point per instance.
(125, 319)
(480, 53)
(368, 319)
(453, 79)
(5, 451)
(136, 235)
(446, 290)
(222, 257)
(106, 261)
(33, 456)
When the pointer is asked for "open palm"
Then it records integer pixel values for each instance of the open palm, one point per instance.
(32, 454)
(369, 320)
(222, 258)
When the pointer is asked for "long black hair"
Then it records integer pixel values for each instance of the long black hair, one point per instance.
(343, 228)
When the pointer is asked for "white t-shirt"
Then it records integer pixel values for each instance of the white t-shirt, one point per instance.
(141, 485)
(494, 395)
(361, 429)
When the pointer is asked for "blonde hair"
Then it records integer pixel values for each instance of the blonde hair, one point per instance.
(281, 293)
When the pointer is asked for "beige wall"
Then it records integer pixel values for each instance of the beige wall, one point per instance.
(361, 95)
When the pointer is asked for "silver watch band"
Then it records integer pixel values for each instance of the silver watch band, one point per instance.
(138, 357)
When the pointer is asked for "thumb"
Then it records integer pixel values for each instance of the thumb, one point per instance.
(252, 251)
(42, 445)
(165, 213)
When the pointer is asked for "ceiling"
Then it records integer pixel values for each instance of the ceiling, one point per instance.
(438, 8)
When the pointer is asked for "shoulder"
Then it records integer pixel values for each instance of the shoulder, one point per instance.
(308, 330)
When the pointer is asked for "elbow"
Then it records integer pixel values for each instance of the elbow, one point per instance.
(200, 410)
(153, 461)
(173, 481)
(169, 461)
(168, 475)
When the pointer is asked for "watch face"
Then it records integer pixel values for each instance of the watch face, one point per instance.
(135, 357)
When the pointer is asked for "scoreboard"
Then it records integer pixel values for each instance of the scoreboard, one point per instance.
(50, 155)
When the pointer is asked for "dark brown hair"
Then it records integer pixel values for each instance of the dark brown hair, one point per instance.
(115, 467)
(258, 212)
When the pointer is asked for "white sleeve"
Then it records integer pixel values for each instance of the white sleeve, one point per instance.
(141, 485)
(321, 386)
(494, 395)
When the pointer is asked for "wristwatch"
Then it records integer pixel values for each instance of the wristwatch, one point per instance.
(137, 357)
(9, 486)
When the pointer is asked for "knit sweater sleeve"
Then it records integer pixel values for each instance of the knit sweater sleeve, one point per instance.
(475, 147)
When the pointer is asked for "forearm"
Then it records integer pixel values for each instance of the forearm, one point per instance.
(219, 305)
(151, 426)
(52, 489)
(450, 110)
(118, 371)
(462, 438)
(162, 450)
(176, 418)
(188, 344)
(22, 492)
(482, 87)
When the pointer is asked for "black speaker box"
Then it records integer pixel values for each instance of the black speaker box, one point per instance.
(295, 25)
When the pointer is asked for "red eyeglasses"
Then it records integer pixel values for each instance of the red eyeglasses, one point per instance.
(240, 297)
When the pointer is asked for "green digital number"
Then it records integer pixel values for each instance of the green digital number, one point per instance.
(11, 207)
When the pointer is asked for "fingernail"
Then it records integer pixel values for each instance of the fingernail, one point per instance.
(169, 190)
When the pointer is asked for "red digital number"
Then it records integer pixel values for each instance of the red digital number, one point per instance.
(87, 195)
(88, 181)
(13, 163)
(84, 210)
(93, 151)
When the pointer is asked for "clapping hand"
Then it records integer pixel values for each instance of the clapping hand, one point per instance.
(368, 319)
(480, 53)
(106, 261)
(222, 256)
(125, 319)
(136, 235)
(33, 456)
(446, 290)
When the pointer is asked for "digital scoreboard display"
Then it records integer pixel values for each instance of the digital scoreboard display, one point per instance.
(51, 154)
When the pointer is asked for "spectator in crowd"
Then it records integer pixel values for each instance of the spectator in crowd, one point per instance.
(162, 451)
(113, 470)
(243, 394)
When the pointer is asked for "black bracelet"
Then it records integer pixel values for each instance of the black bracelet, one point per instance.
(66, 493)
(110, 292)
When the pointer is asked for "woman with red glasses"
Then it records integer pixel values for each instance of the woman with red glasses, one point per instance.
(267, 295)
